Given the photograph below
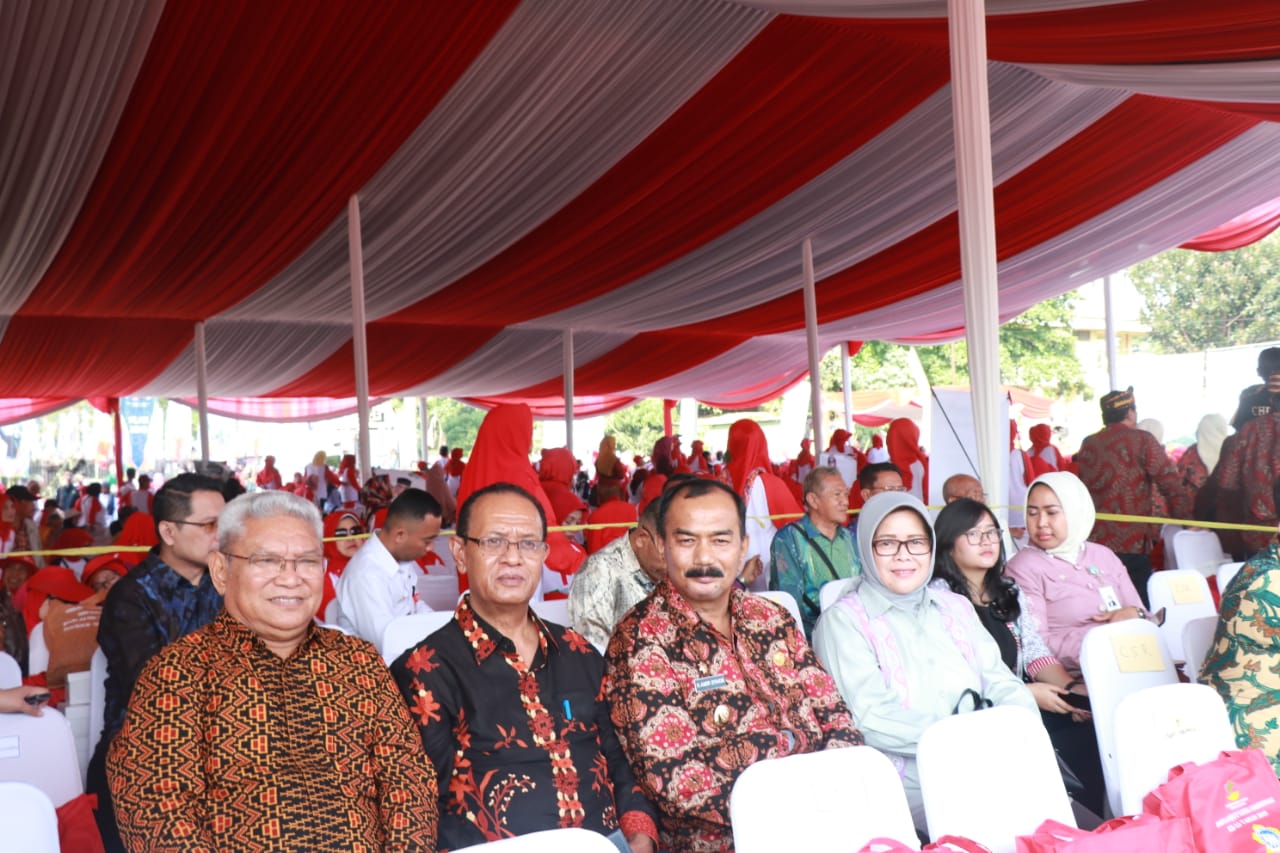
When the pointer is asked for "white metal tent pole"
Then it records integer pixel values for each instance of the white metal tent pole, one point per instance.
(811, 338)
(1109, 318)
(971, 119)
(202, 391)
(568, 389)
(359, 342)
(424, 425)
(844, 385)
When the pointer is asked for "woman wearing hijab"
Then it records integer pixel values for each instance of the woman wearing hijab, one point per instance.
(8, 523)
(842, 455)
(766, 494)
(902, 654)
(453, 469)
(904, 451)
(609, 468)
(612, 510)
(805, 461)
(876, 453)
(348, 482)
(664, 465)
(70, 612)
(342, 538)
(1045, 457)
(319, 478)
(1202, 457)
(139, 531)
(501, 454)
(1069, 584)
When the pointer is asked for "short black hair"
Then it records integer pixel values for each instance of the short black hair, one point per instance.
(697, 487)
(412, 505)
(498, 488)
(131, 472)
(173, 501)
(867, 476)
(1268, 362)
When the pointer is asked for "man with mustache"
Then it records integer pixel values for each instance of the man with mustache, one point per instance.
(704, 679)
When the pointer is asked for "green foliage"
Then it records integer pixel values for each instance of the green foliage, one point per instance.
(459, 422)
(1198, 300)
(636, 427)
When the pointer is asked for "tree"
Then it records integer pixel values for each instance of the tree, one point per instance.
(1198, 300)
(458, 422)
(636, 427)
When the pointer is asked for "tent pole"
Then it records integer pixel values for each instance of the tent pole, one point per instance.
(971, 118)
(359, 342)
(568, 388)
(424, 436)
(202, 391)
(811, 339)
(118, 429)
(845, 386)
(1109, 315)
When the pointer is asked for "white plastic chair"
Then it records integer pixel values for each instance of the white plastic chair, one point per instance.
(10, 672)
(787, 600)
(1198, 551)
(1184, 594)
(831, 801)
(1161, 727)
(37, 651)
(549, 841)
(1117, 659)
(1226, 572)
(439, 592)
(29, 821)
(40, 751)
(964, 758)
(1197, 638)
(831, 592)
(97, 697)
(404, 632)
(556, 610)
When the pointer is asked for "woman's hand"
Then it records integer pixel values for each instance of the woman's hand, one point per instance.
(1119, 615)
(1050, 698)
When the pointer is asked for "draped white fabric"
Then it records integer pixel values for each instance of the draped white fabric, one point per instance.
(913, 8)
(1232, 82)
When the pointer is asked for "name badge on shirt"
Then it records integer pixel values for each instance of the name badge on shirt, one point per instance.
(1109, 600)
(710, 682)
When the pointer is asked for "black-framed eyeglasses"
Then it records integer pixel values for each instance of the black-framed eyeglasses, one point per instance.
(270, 565)
(206, 526)
(492, 546)
(349, 531)
(891, 547)
(977, 535)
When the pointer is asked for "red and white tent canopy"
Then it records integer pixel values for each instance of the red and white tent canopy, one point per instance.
(640, 172)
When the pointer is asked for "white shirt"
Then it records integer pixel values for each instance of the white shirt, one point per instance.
(374, 589)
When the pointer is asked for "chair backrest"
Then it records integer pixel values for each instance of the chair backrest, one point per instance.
(556, 610)
(549, 841)
(1161, 727)
(1184, 594)
(40, 751)
(1198, 551)
(37, 651)
(404, 632)
(963, 760)
(819, 802)
(831, 592)
(1226, 572)
(97, 697)
(29, 821)
(1117, 659)
(440, 592)
(787, 600)
(10, 672)
(1197, 637)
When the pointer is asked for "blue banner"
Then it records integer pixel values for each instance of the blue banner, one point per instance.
(136, 413)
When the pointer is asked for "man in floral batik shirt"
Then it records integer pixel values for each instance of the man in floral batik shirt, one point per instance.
(509, 706)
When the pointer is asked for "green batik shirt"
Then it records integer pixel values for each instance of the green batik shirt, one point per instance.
(795, 568)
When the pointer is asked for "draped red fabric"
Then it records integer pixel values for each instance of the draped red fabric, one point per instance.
(1132, 147)
(549, 406)
(14, 409)
(804, 91)
(65, 357)
(209, 186)
(748, 452)
(1241, 231)
(558, 465)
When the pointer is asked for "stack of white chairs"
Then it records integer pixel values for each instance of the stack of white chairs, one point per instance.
(964, 759)
(1158, 728)
(787, 600)
(550, 841)
(28, 819)
(832, 801)
(40, 751)
(1197, 639)
(404, 632)
(1198, 551)
(10, 671)
(1183, 595)
(1117, 659)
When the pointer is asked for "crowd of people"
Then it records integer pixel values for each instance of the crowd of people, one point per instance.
(247, 704)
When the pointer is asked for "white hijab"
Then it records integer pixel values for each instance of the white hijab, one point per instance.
(1210, 434)
(1077, 507)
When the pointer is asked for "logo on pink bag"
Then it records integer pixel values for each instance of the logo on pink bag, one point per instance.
(1267, 836)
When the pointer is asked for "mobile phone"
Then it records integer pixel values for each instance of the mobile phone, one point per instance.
(36, 698)
(1076, 700)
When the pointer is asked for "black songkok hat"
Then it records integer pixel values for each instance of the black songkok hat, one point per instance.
(1118, 400)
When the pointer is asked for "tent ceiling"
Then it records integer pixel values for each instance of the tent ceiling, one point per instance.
(640, 172)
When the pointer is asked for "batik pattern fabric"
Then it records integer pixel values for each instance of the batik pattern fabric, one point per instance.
(227, 746)
(1249, 465)
(1193, 470)
(1243, 664)
(694, 708)
(519, 748)
(798, 565)
(609, 584)
(1123, 467)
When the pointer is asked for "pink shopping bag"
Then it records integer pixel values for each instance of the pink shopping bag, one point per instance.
(1232, 802)
(1134, 834)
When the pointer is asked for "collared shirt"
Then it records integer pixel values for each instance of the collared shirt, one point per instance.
(374, 589)
(694, 708)
(145, 611)
(1122, 467)
(609, 584)
(798, 570)
(517, 748)
(228, 746)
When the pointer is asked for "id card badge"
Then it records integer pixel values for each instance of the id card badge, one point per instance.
(1109, 600)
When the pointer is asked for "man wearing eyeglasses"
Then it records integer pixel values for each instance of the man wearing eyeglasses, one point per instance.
(508, 705)
(263, 731)
(381, 581)
(162, 599)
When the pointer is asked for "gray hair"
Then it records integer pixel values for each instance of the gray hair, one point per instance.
(267, 504)
(814, 479)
